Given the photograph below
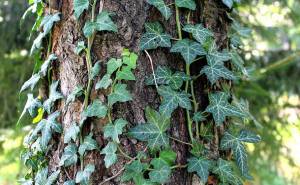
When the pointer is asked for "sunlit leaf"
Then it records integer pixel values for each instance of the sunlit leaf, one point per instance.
(88, 144)
(80, 6)
(69, 156)
(53, 96)
(83, 177)
(71, 133)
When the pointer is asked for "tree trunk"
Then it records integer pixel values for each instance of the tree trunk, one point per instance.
(70, 69)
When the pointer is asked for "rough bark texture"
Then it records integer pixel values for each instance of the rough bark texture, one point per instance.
(130, 16)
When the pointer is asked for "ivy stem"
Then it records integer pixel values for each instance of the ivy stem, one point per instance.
(178, 23)
(183, 142)
(152, 68)
(195, 107)
(179, 166)
(123, 153)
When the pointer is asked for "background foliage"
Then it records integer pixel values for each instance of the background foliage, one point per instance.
(272, 90)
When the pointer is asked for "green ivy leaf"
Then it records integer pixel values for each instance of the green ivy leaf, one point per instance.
(110, 154)
(31, 83)
(96, 109)
(69, 157)
(46, 64)
(83, 177)
(95, 70)
(188, 49)
(69, 182)
(172, 99)
(133, 171)
(114, 130)
(162, 7)
(120, 94)
(42, 179)
(79, 47)
(32, 105)
(88, 144)
(154, 37)
(37, 43)
(153, 132)
(200, 165)
(220, 108)
(161, 172)
(226, 174)
(113, 64)
(71, 133)
(249, 137)
(198, 117)
(197, 149)
(168, 155)
(190, 4)
(125, 74)
(130, 60)
(200, 33)
(53, 96)
(48, 22)
(104, 83)
(78, 91)
(238, 62)
(80, 6)
(229, 3)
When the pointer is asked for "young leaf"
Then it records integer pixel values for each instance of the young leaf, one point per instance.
(79, 47)
(69, 157)
(78, 91)
(45, 66)
(200, 165)
(125, 74)
(110, 154)
(96, 109)
(83, 177)
(133, 171)
(162, 7)
(80, 6)
(104, 83)
(120, 94)
(226, 174)
(53, 96)
(31, 83)
(220, 108)
(113, 64)
(48, 21)
(154, 37)
(71, 133)
(88, 144)
(188, 49)
(168, 155)
(200, 33)
(161, 172)
(95, 70)
(172, 99)
(130, 60)
(190, 4)
(114, 130)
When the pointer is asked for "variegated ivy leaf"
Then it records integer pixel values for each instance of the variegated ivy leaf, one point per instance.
(110, 154)
(200, 33)
(95, 70)
(88, 144)
(201, 166)
(104, 83)
(69, 182)
(114, 130)
(220, 108)
(103, 23)
(172, 99)
(37, 43)
(154, 37)
(96, 109)
(188, 49)
(42, 178)
(161, 172)
(125, 74)
(215, 55)
(190, 4)
(46, 64)
(120, 94)
(79, 47)
(48, 22)
(229, 141)
(113, 64)
(80, 6)
(164, 76)
(154, 130)
(32, 105)
(53, 96)
(226, 174)
(71, 133)
(83, 177)
(162, 7)
(31, 83)
(78, 91)
(69, 157)
(134, 171)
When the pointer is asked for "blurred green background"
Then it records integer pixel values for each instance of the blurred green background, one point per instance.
(272, 53)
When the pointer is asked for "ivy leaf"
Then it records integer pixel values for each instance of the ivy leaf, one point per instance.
(79, 47)
(69, 157)
(95, 70)
(42, 179)
(37, 43)
(48, 21)
(190, 4)
(200, 33)
(153, 132)
(220, 108)
(172, 99)
(78, 91)
(24, 181)
(104, 83)
(120, 94)
(80, 6)
(161, 172)
(130, 60)
(154, 37)
(32, 105)
(164, 76)
(168, 155)
(197, 149)
(110, 154)
(216, 56)
(114, 130)
(113, 64)
(69, 182)
(249, 137)
(96, 109)
(229, 3)
(238, 62)
(125, 74)
(200, 165)
(198, 117)
(162, 7)
(188, 49)
(83, 177)
(133, 171)
(88, 144)
(226, 174)
(45, 66)
(31, 83)
(53, 96)
(71, 133)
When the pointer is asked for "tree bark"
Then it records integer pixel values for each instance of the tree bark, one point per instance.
(130, 16)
